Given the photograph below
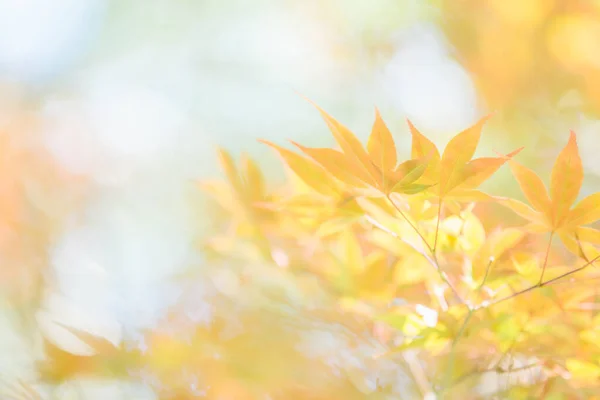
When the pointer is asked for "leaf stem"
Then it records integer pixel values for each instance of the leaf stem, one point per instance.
(487, 272)
(546, 258)
(433, 260)
(437, 225)
(410, 223)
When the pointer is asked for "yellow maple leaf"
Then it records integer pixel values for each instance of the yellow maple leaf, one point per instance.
(374, 168)
(455, 174)
(552, 212)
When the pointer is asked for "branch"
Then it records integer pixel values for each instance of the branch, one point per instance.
(541, 284)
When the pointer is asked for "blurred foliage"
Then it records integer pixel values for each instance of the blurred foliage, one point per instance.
(362, 275)
(464, 308)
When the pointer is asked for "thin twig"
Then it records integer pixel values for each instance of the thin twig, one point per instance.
(496, 369)
(546, 257)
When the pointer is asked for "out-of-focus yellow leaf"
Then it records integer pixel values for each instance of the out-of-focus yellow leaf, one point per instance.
(255, 182)
(495, 246)
(412, 269)
(526, 264)
(581, 369)
(231, 171)
(353, 255)
(473, 233)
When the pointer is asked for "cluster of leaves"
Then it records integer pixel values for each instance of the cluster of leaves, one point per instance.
(370, 277)
(470, 311)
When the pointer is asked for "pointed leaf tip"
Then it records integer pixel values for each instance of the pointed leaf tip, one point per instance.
(380, 146)
(566, 180)
(309, 172)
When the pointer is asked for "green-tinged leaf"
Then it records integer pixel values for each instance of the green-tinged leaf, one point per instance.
(394, 320)
(410, 171)
(410, 188)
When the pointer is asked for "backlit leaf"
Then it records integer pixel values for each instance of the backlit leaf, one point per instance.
(458, 152)
(481, 169)
(532, 186)
(423, 148)
(310, 173)
(409, 171)
(566, 180)
(381, 145)
(586, 211)
(337, 164)
(349, 143)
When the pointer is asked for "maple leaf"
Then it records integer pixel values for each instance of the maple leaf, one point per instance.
(552, 212)
(373, 168)
(243, 196)
(455, 174)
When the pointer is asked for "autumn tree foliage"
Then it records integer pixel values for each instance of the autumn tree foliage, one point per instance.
(465, 309)
(366, 276)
